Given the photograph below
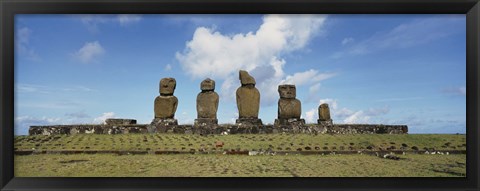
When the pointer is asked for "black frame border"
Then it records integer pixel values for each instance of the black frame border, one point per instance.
(8, 8)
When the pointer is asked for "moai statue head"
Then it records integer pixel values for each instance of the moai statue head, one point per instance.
(167, 86)
(324, 112)
(287, 91)
(207, 85)
(246, 79)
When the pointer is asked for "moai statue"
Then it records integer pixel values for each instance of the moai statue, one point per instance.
(207, 104)
(324, 115)
(248, 101)
(289, 107)
(165, 106)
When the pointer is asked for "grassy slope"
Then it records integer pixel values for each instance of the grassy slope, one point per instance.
(277, 142)
(101, 165)
(227, 165)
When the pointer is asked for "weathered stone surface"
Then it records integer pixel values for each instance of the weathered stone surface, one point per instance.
(204, 122)
(207, 100)
(167, 86)
(367, 129)
(287, 91)
(246, 79)
(325, 123)
(290, 121)
(207, 85)
(324, 112)
(248, 97)
(160, 125)
(248, 122)
(87, 129)
(289, 108)
(169, 126)
(165, 107)
(112, 121)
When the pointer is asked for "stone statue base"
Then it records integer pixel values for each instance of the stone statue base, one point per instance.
(325, 123)
(289, 122)
(205, 122)
(292, 125)
(248, 122)
(159, 125)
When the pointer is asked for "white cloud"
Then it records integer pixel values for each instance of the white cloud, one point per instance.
(332, 103)
(168, 67)
(311, 116)
(89, 52)
(215, 55)
(346, 115)
(127, 19)
(417, 32)
(23, 123)
(101, 119)
(347, 40)
(22, 44)
(357, 117)
(309, 76)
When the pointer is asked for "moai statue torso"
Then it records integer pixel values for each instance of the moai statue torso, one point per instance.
(166, 103)
(324, 112)
(207, 100)
(324, 118)
(288, 106)
(248, 97)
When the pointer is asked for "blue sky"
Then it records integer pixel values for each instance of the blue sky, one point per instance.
(389, 69)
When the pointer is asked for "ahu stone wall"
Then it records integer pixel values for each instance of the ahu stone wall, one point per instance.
(219, 129)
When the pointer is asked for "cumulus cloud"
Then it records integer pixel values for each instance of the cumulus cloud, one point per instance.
(220, 56)
(89, 52)
(346, 115)
(101, 119)
(22, 44)
(311, 116)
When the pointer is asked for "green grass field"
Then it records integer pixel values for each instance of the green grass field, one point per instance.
(275, 142)
(218, 164)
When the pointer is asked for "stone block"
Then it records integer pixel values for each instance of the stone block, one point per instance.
(112, 121)
(248, 122)
(205, 122)
(159, 125)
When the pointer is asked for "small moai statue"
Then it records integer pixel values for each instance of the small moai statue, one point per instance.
(289, 107)
(248, 101)
(207, 105)
(324, 115)
(165, 106)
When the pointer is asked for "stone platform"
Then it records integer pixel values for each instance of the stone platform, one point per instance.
(220, 129)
